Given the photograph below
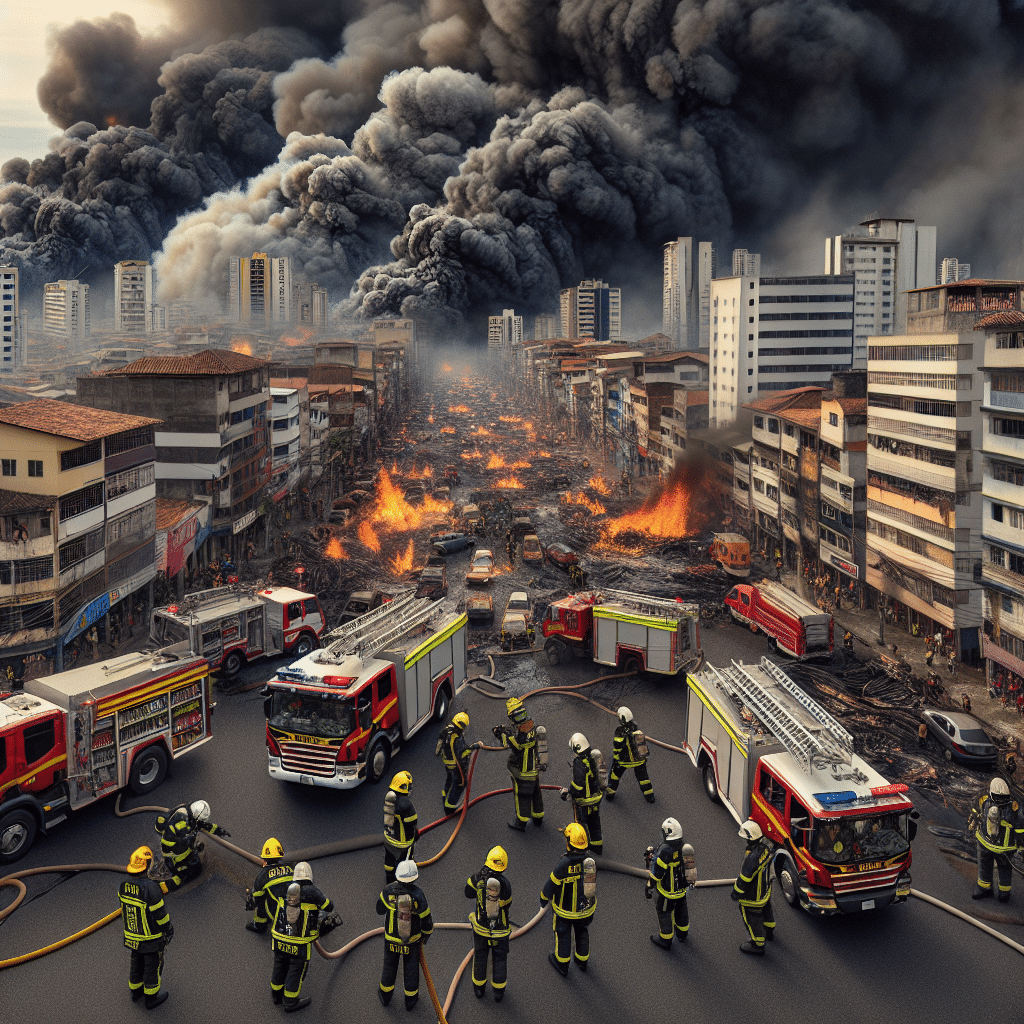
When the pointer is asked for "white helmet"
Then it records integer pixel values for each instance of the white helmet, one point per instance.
(578, 743)
(999, 790)
(303, 872)
(671, 829)
(407, 872)
(625, 715)
(751, 831)
(200, 810)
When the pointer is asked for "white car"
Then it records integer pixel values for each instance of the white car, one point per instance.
(518, 601)
(482, 569)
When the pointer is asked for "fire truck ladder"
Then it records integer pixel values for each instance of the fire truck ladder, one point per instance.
(654, 606)
(382, 626)
(818, 740)
(364, 623)
(192, 602)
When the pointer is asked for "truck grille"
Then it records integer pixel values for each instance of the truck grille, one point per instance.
(817, 636)
(863, 881)
(307, 759)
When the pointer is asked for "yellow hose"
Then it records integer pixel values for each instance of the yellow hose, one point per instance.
(441, 1019)
(60, 943)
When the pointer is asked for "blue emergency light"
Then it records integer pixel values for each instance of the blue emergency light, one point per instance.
(845, 796)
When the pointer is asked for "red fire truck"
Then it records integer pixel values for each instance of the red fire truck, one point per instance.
(796, 626)
(337, 716)
(769, 752)
(624, 630)
(232, 625)
(71, 738)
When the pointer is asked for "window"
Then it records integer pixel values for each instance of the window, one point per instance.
(39, 741)
(1007, 603)
(833, 419)
(772, 492)
(9, 467)
(81, 456)
(758, 423)
(35, 467)
(997, 512)
(773, 426)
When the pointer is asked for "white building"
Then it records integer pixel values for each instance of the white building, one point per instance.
(746, 264)
(545, 327)
(954, 270)
(686, 292)
(775, 334)
(285, 435)
(888, 256)
(66, 309)
(592, 309)
(12, 342)
(134, 289)
(260, 289)
(505, 331)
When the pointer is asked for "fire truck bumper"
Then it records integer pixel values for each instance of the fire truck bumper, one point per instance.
(344, 777)
(824, 902)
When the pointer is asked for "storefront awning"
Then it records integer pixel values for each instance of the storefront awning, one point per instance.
(991, 651)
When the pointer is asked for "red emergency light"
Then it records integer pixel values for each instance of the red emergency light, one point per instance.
(173, 609)
(890, 790)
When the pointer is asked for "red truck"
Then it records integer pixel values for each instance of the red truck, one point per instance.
(796, 626)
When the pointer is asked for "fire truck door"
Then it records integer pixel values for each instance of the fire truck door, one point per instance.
(254, 629)
(37, 756)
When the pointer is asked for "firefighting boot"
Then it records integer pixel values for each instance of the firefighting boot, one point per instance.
(563, 969)
(659, 941)
(1004, 897)
(769, 934)
(519, 826)
(649, 797)
(137, 994)
(981, 894)
(478, 991)
(259, 929)
(609, 793)
(298, 1004)
(753, 948)
(411, 1001)
(152, 1002)
(384, 997)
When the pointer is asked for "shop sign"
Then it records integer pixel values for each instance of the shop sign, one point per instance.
(89, 615)
(844, 566)
(247, 520)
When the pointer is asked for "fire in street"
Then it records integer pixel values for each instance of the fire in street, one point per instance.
(595, 507)
(510, 483)
(680, 508)
(367, 537)
(334, 549)
(403, 563)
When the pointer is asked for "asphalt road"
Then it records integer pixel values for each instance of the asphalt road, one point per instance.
(906, 963)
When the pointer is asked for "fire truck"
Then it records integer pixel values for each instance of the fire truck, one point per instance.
(337, 716)
(796, 626)
(232, 625)
(624, 630)
(769, 752)
(71, 738)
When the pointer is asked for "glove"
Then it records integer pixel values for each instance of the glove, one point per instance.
(250, 902)
(329, 923)
(221, 831)
(735, 895)
(478, 745)
(543, 767)
(648, 892)
(497, 730)
(563, 794)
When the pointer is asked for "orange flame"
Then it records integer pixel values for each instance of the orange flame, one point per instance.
(394, 513)
(510, 419)
(581, 499)
(678, 509)
(497, 462)
(447, 430)
(402, 563)
(241, 347)
(367, 536)
(482, 432)
(509, 483)
(446, 368)
(599, 484)
(430, 418)
(458, 408)
(335, 550)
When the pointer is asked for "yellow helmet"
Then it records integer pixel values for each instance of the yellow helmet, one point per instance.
(140, 860)
(272, 849)
(461, 721)
(402, 782)
(516, 711)
(575, 835)
(497, 859)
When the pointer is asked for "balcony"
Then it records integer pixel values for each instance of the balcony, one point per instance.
(126, 460)
(941, 477)
(11, 550)
(81, 569)
(82, 522)
(129, 500)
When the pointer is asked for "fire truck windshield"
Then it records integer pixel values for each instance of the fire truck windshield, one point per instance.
(850, 840)
(166, 630)
(311, 715)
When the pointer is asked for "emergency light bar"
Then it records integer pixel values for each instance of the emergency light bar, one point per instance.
(848, 796)
(828, 799)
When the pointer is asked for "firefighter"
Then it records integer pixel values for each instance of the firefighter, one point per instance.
(753, 889)
(451, 745)
(400, 831)
(491, 928)
(566, 890)
(301, 916)
(999, 833)
(147, 929)
(629, 750)
(586, 789)
(848, 641)
(667, 876)
(270, 886)
(408, 923)
(178, 831)
(524, 765)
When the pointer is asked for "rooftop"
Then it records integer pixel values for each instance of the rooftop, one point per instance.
(972, 282)
(292, 383)
(79, 422)
(13, 502)
(170, 512)
(1003, 318)
(208, 363)
(805, 397)
(850, 406)
(675, 357)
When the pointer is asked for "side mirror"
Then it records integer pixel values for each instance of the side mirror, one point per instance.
(912, 826)
(267, 702)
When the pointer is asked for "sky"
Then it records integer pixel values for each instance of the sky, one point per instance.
(25, 26)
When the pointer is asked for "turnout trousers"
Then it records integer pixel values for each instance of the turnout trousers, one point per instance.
(566, 929)
(673, 917)
(393, 952)
(498, 950)
(289, 972)
(454, 785)
(640, 771)
(986, 858)
(589, 817)
(758, 920)
(144, 972)
(529, 799)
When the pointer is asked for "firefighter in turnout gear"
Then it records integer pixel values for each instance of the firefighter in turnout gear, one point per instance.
(668, 877)
(491, 927)
(407, 924)
(451, 745)
(270, 886)
(178, 831)
(400, 829)
(586, 789)
(753, 889)
(999, 833)
(629, 750)
(147, 929)
(527, 758)
(300, 918)
(571, 889)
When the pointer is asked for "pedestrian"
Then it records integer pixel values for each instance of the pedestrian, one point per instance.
(400, 831)
(586, 789)
(839, 598)
(922, 735)
(299, 920)
(93, 637)
(451, 746)
(573, 906)
(965, 701)
(951, 663)
(668, 878)
(407, 924)
(491, 925)
(147, 929)
(999, 834)
(270, 886)
(753, 889)
(629, 750)
(929, 657)
(525, 763)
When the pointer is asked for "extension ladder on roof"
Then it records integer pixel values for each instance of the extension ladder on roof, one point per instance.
(654, 606)
(373, 632)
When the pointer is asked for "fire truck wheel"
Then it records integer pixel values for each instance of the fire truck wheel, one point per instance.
(377, 760)
(232, 664)
(441, 705)
(304, 645)
(554, 651)
(710, 782)
(148, 770)
(17, 834)
(786, 874)
(632, 664)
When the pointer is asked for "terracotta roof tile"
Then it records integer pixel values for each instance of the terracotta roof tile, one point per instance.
(1004, 318)
(675, 357)
(62, 419)
(14, 502)
(779, 400)
(298, 383)
(805, 417)
(209, 362)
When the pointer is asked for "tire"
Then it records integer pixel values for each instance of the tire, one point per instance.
(232, 664)
(303, 646)
(377, 760)
(17, 834)
(947, 754)
(710, 783)
(149, 769)
(441, 704)
(553, 649)
(632, 664)
(786, 874)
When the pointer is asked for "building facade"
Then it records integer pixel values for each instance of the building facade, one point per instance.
(687, 272)
(953, 270)
(66, 310)
(12, 341)
(134, 290)
(505, 331)
(260, 290)
(592, 309)
(545, 327)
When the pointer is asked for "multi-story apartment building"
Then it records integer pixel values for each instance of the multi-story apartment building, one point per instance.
(260, 289)
(953, 270)
(776, 334)
(687, 272)
(213, 443)
(592, 309)
(309, 305)
(66, 310)
(887, 256)
(289, 415)
(746, 264)
(505, 331)
(77, 525)
(12, 342)
(546, 327)
(134, 289)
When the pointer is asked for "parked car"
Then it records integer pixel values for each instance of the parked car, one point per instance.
(433, 582)
(442, 493)
(518, 601)
(521, 526)
(480, 608)
(451, 543)
(515, 631)
(360, 602)
(472, 516)
(482, 569)
(532, 551)
(561, 555)
(413, 494)
(961, 736)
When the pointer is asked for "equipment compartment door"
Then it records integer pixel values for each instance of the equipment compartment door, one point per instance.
(659, 649)
(606, 634)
